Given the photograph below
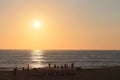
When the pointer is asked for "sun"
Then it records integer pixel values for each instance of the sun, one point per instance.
(36, 24)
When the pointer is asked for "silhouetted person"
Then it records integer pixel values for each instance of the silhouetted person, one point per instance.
(78, 68)
(23, 68)
(55, 66)
(65, 66)
(49, 65)
(28, 67)
(61, 66)
(72, 65)
(14, 71)
(58, 67)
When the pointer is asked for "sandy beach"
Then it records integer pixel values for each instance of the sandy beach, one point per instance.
(111, 73)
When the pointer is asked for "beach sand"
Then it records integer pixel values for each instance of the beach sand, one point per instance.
(112, 73)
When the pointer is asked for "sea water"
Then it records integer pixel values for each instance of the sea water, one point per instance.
(41, 58)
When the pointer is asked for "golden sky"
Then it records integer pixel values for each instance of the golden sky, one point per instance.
(65, 24)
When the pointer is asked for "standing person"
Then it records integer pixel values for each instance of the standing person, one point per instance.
(28, 67)
(55, 66)
(72, 65)
(65, 65)
(23, 68)
(61, 66)
(14, 71)
(49, 65)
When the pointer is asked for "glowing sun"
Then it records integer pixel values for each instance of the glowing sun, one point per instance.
(36, 24)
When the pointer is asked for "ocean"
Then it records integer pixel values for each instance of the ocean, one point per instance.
(41, 58)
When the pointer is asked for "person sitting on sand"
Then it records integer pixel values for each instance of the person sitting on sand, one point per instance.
(58, 67)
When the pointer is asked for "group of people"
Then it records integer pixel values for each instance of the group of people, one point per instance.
(49, 65)
(15, 69)
(62, 66)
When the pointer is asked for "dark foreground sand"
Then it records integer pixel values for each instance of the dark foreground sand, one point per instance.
(112, 73)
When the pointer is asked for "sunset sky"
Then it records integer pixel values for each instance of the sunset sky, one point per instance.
(64, 24)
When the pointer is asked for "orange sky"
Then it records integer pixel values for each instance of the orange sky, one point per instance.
(65, 24)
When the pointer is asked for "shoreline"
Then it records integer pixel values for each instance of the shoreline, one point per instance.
(83, 68)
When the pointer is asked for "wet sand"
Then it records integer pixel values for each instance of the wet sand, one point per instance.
(111, 73)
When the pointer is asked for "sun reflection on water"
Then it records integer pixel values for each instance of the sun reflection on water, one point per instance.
(37, 58)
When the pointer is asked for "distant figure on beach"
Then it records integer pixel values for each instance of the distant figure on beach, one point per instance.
(23, 68)
(55, 66)
(14, 71)
(49, 65)
(72, 65)
(58, 67)
(61, 66)
(28, 67)
(65, 66)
